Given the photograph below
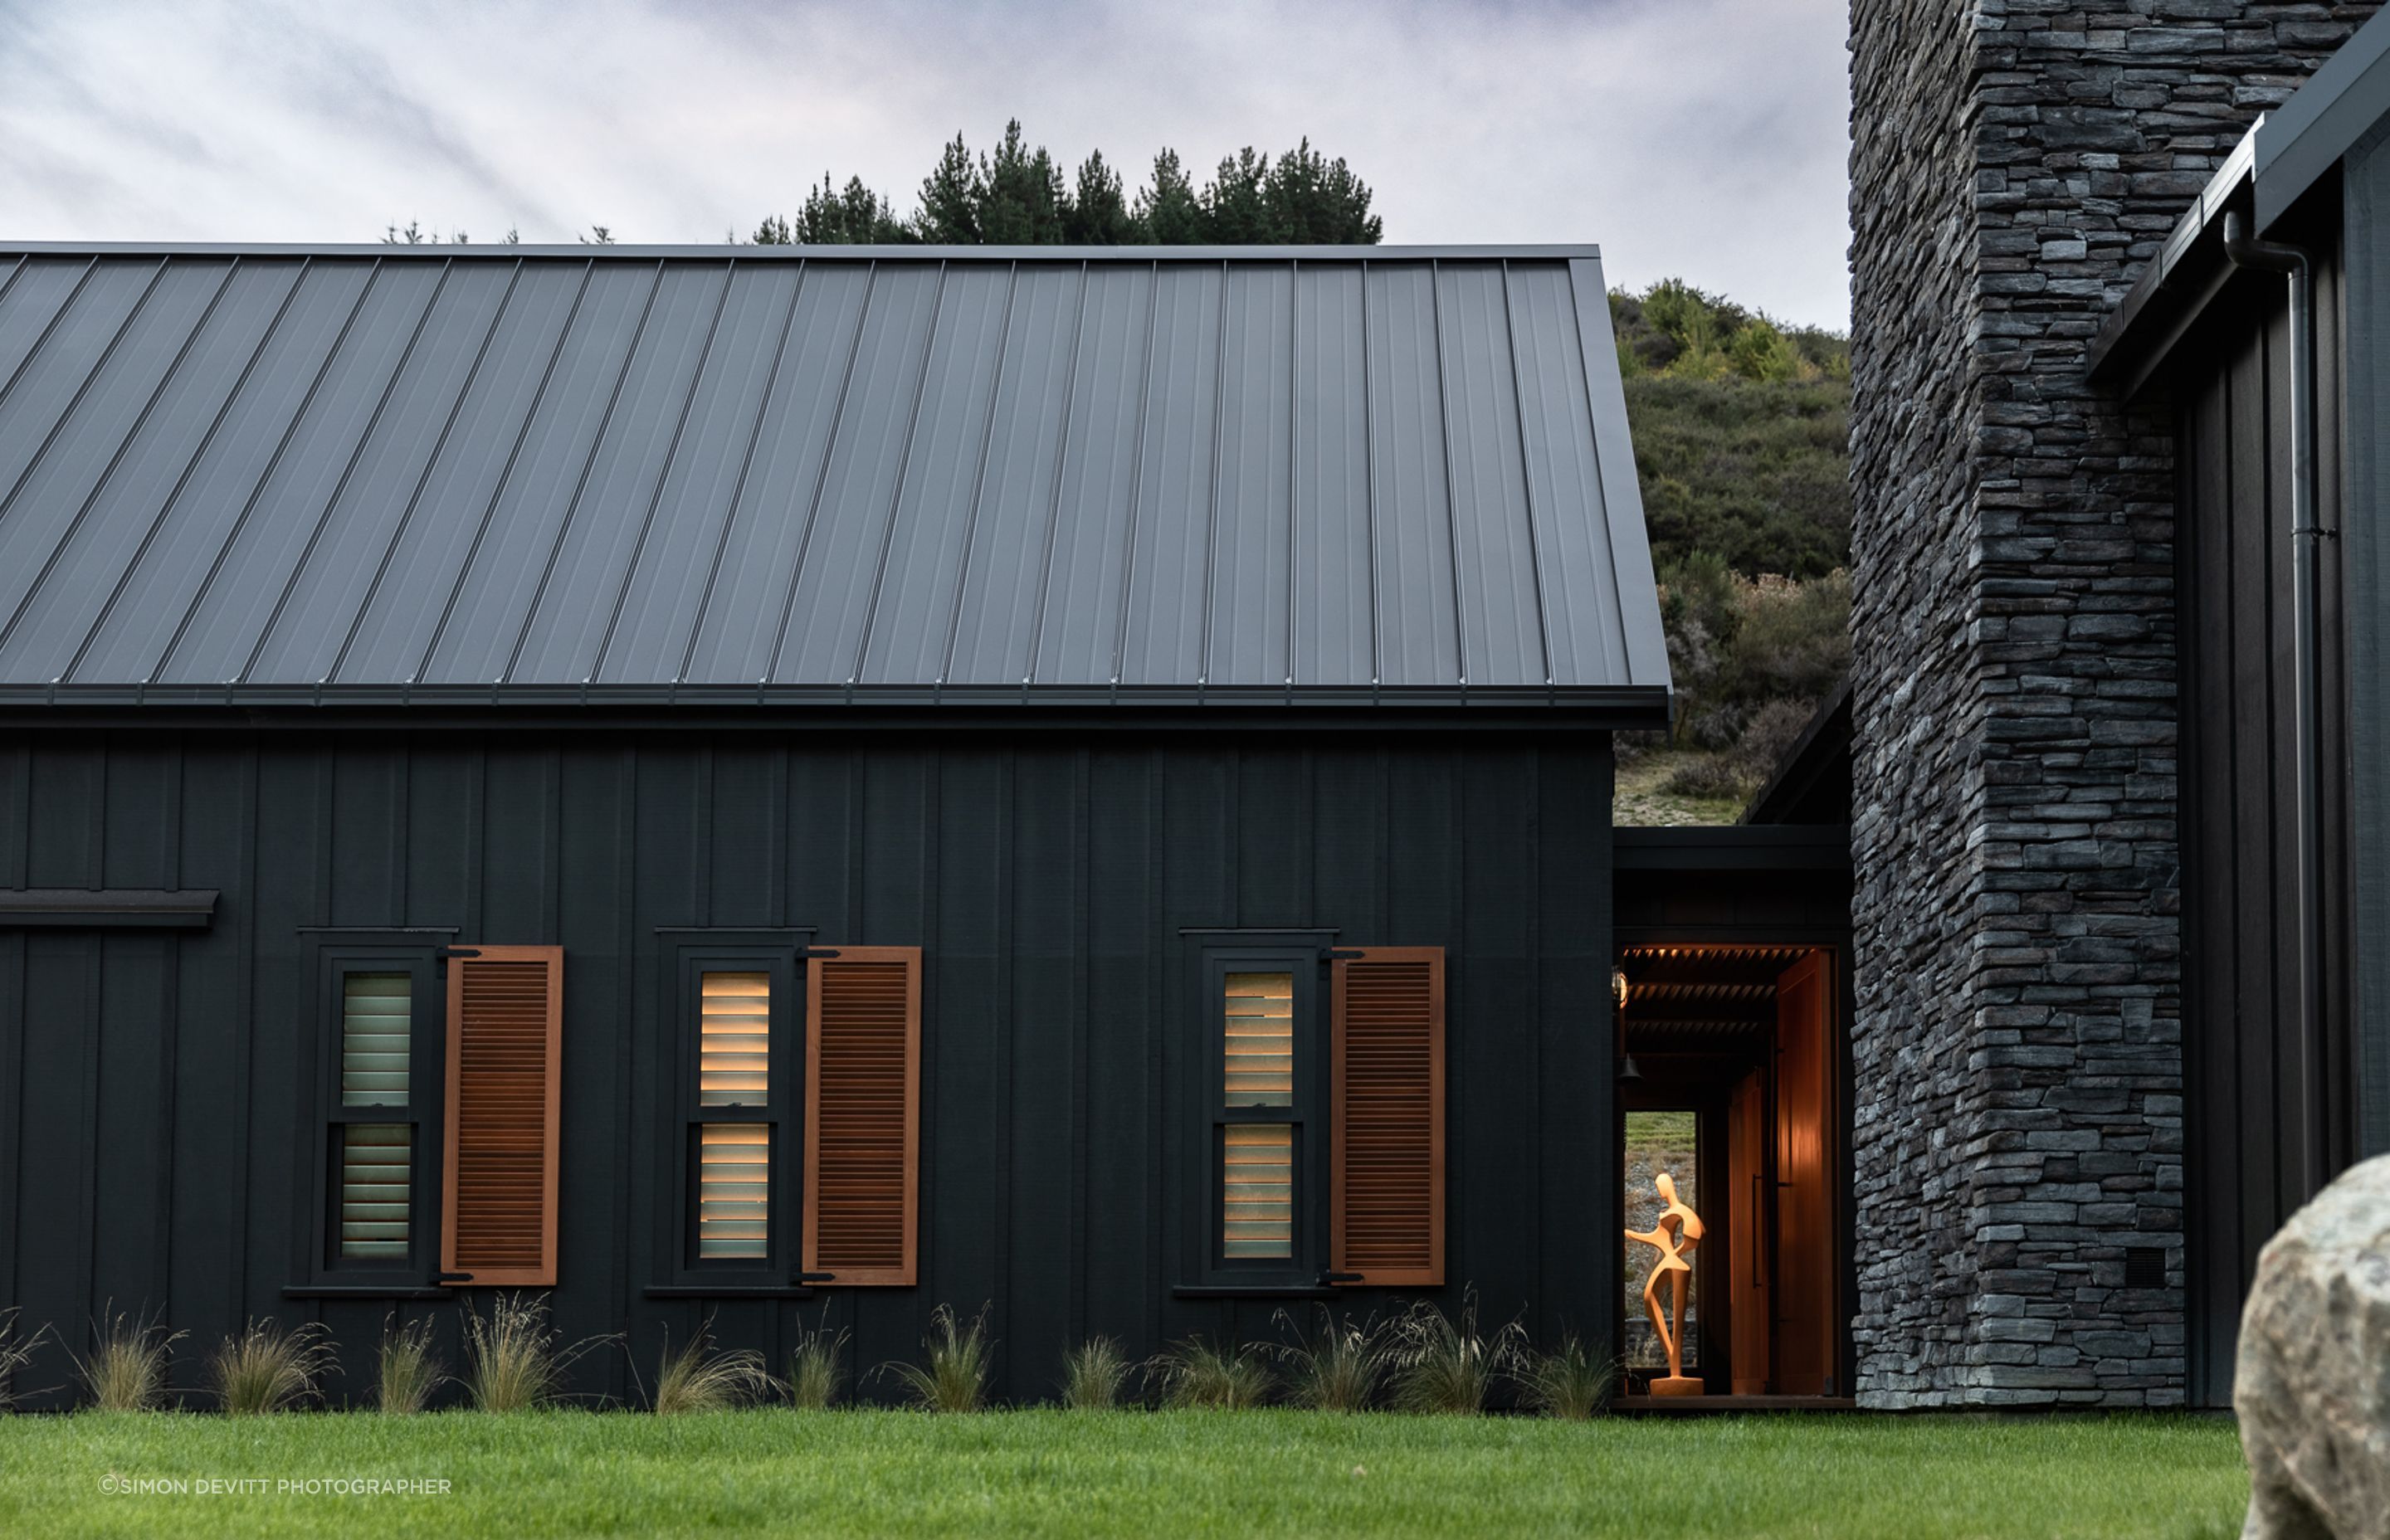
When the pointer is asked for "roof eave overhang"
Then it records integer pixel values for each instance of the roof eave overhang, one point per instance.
(2179, 281)
(2284, 154)
(1576, 252)
(957, 708)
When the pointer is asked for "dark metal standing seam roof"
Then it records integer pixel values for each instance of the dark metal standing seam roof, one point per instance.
(784, 474)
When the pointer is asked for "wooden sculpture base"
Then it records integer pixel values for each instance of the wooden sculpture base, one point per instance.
(1673, 1384)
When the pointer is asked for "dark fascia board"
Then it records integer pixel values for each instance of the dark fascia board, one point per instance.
(2309, 135)
(2177, 283)
(1733, 847)
(106, 908)
(2281, 157)
(1622, 707)
(1135, 255)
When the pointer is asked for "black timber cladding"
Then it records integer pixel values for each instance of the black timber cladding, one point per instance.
(2251, 1131)
(801, 474)
(156, 1082)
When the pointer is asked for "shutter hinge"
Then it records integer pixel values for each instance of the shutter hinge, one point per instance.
(1330, 1278)
(442, 953)
(1340, 953)
(817, 1278)
(438, 1279)
(818, 952)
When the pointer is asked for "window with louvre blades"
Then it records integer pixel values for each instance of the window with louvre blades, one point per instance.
(735, 1003)
(505, 1046)
(1258, 1094)
(377, 1059)
(1386, 1167)
(863, 1083)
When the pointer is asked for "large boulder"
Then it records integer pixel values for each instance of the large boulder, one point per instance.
(2313, 1383)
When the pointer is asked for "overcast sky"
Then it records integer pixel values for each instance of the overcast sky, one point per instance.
(1702, 138)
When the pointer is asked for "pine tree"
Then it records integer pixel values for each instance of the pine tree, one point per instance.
(1168, 207)
(1236, 211)
(1020, 193)
(1016, 195)
(1313, 201)
(853, 216)
(951, 196)
(1098, 213)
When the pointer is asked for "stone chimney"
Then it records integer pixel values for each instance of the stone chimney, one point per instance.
(2017, 1052)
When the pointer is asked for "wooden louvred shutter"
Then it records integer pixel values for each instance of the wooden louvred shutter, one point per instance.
(505, 1021)
(1386, 1122)
(862, 1099)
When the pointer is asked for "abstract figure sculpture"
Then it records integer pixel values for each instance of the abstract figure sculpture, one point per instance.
(1677, 1231)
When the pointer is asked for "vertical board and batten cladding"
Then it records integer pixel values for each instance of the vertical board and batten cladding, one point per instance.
(159, 1087)
(2247, 1126)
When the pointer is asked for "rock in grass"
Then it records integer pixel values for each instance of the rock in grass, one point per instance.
(2312, 1386)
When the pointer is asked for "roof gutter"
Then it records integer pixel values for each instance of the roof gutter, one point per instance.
(2285, 154)
(2243, 249)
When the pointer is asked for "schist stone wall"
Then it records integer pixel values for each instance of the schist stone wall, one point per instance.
(2017, 1056)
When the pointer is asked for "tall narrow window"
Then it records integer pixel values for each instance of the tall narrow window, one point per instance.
(377, 1062)
(377, 1159)
(1259, 1098)
(734, 1076)
(1257, 1158)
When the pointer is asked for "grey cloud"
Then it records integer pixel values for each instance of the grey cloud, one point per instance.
(1699, 137)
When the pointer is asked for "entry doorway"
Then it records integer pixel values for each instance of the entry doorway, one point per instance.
(1731, 1080)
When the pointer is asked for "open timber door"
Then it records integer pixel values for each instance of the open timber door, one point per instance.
(1748, 1303)
(1806, 1334)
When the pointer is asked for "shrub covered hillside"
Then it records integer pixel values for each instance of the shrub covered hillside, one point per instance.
(1743, 447)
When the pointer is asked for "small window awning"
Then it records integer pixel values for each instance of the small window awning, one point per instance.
(259, 476)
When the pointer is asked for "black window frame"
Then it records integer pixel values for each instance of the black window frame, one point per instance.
(1206, 1113)
(331, 960)
(688, 957)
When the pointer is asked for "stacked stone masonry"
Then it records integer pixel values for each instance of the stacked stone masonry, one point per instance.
(2017, 1049)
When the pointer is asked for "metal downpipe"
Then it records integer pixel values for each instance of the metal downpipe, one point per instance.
(2243, 251)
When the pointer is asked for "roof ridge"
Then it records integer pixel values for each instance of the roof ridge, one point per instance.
(717, 252)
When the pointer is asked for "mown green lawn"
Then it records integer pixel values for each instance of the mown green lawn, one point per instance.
(1168, 1473)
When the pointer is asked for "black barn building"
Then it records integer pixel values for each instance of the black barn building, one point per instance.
(791, 787)
(2263, 329)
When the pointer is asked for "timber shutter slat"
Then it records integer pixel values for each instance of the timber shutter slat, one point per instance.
(863, 1073)
(1386, 1127)
(505, 1040)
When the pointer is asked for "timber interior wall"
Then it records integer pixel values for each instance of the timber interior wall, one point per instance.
(157, 1130)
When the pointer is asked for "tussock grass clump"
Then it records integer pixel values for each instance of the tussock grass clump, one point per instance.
(1569, 1382)
(696, 1378)
(817, 1368)
(269, 1368)
(956, 1379)
(408, 1371)
(512, 1362)
(1448, 1365)
(1340, 1366)
(1093, 1376)
(127, 1371)
(15, 1353)
(1195, 1373)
